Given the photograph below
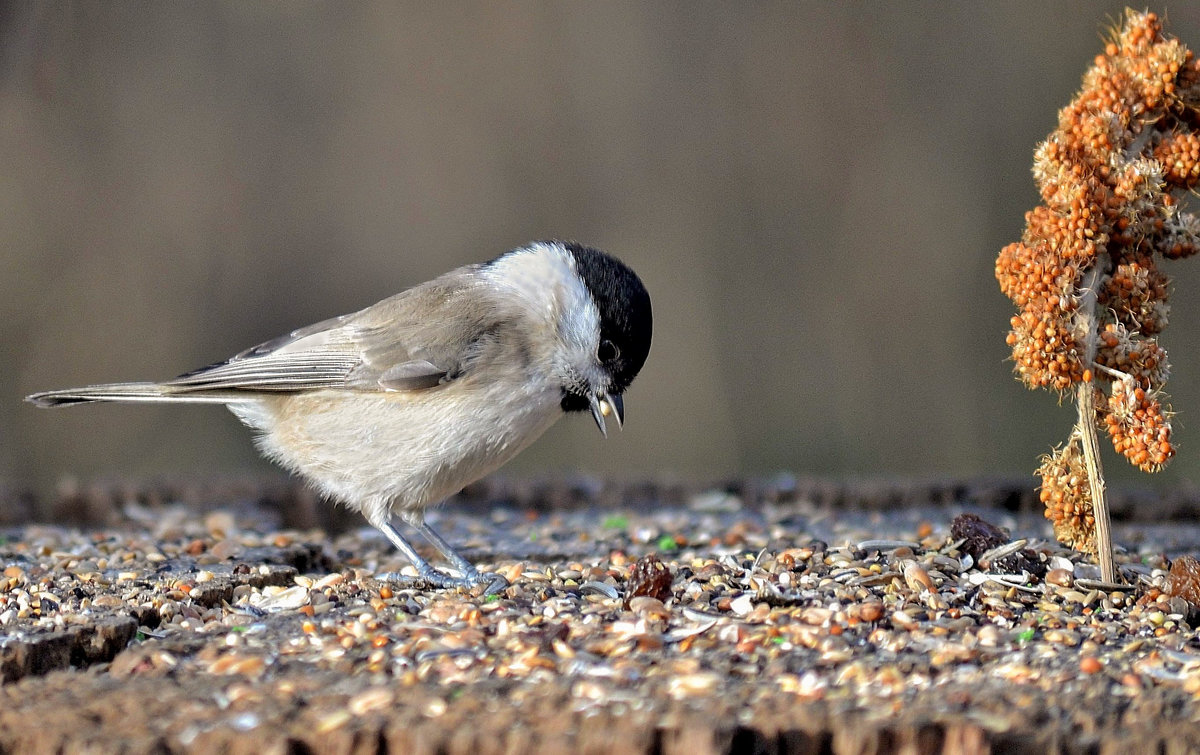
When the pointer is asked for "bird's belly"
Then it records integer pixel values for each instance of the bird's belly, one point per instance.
(383, 452)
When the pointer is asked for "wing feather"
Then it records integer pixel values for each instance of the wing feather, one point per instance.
(415, 340)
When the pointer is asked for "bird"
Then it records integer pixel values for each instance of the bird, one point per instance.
(393, 408)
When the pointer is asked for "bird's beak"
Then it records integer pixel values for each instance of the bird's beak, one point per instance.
(604, 405)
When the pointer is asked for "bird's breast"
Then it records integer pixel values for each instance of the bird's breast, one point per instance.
(409, 448)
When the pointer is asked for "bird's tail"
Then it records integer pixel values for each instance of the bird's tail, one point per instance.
(138, 392)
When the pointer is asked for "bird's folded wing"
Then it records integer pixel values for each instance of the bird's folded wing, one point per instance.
(415, 340)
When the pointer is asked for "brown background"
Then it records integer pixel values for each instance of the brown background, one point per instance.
(813, 193)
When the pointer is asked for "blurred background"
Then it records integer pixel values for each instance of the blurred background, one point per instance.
(814, 194)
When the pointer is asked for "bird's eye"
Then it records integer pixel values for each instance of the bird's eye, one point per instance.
(608, 351)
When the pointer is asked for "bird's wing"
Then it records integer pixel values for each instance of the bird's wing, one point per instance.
(417, 339)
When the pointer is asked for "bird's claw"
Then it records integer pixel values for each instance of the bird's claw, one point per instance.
(495, 583)
(432, 578)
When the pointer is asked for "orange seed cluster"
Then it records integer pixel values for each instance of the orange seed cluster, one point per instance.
(1085, 274)
(1138, 425)
(1068, 498)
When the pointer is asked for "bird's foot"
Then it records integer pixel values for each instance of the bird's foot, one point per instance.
(430, 577)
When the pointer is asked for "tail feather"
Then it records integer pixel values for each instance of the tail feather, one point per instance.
(137, 392)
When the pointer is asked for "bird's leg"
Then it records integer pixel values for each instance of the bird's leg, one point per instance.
(469, 573)
(424, 569)
(427, 573)
(465, 567)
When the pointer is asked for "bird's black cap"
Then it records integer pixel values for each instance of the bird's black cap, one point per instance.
(626, 320)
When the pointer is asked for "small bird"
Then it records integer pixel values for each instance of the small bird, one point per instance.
(395, 407)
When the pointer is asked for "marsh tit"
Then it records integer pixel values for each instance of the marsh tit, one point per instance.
(395, 407)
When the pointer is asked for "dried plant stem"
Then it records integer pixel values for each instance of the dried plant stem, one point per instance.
(1095, 471)
(1086, 424)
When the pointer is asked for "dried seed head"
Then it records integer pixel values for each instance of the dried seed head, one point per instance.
(1138, 292)
(1108, 176)
(1067, 496)
(1139, 426)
